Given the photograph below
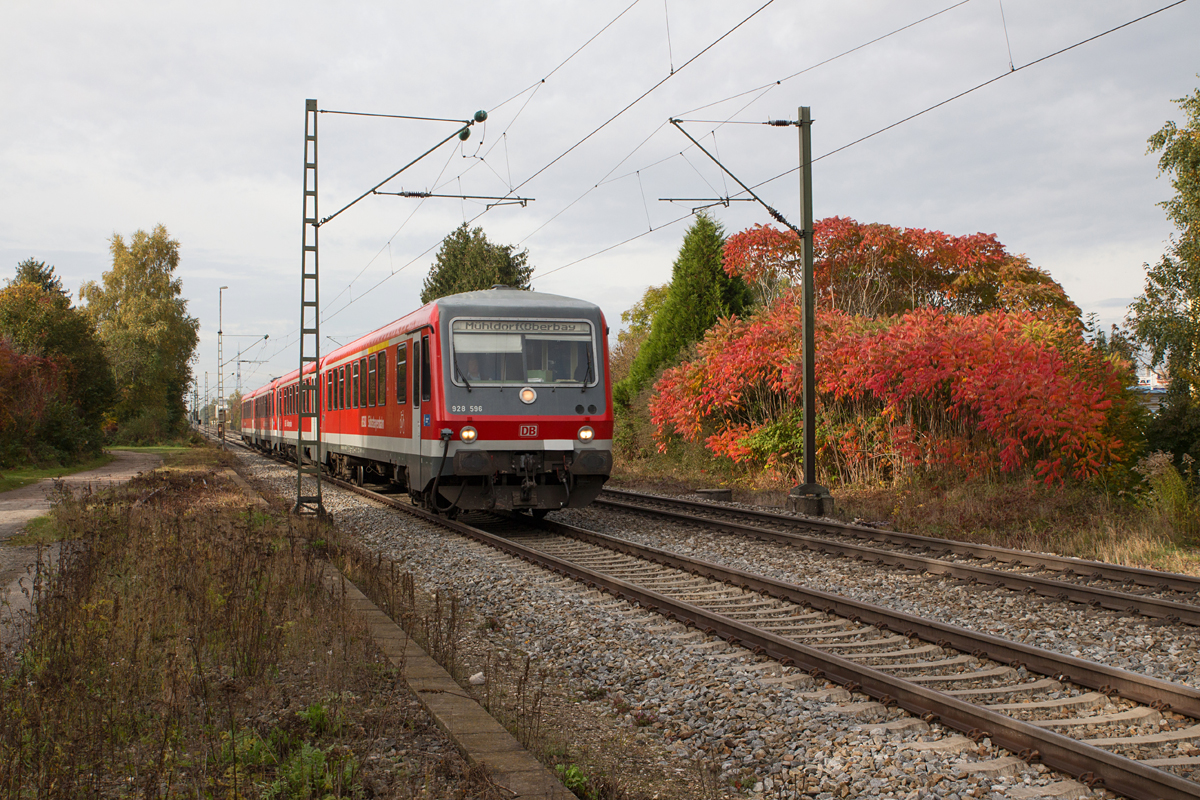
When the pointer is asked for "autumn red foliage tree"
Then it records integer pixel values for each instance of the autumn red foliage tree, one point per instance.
(31, 391)
(875, 269)
(963, 358)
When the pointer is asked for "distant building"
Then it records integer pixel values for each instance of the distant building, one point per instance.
(1152, 379)
(1151, 389)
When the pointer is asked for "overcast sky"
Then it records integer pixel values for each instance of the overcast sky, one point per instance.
(119, 116)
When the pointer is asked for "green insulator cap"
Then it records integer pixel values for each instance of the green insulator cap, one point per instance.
(464, 134)
(480, 115)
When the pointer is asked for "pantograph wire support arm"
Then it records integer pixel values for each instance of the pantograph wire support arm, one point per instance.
(506, 200)
(770, 210)
(461, 133)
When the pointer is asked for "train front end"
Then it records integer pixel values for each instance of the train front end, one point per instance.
(527, 416)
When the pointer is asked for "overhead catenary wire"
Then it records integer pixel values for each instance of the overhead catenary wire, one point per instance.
(643, 95)
(829, 60)
(531, 90)
(603, 125)
(832, 152)
(975, 88)
(667, 19)
(906, 119)
(614, 246)
(576, 52)
(611, 119)
(761, 90)
(1007, 41)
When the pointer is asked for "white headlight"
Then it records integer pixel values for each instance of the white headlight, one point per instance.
(528, 395)
(468, 434)
(586, 434)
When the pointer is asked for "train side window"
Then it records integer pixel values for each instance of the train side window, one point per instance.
(341, 387)
(402, 373)
(425, 371)
(362, 383)
(372, 381)
(381, 398)
(329, 390)
(354, 386)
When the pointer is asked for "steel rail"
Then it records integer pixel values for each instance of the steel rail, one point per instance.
(1091, 764)
(1046, 587)
(1161, 694)
(1068, 566)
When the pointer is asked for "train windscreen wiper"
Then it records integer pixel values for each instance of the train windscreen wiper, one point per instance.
(458, 369)
(587, 374)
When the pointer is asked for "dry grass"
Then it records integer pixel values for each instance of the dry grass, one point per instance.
(182, 647)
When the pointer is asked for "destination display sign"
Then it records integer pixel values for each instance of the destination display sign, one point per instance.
(520, 326)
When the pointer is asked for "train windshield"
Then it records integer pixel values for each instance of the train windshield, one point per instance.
(509, 352)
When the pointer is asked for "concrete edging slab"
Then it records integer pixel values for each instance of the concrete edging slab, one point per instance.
(479, 737)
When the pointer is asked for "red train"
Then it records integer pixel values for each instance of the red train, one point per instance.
(498, 399)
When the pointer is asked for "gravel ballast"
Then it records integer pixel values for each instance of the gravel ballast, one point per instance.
(713, 720)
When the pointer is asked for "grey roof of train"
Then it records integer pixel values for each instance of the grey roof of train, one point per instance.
(486, 300)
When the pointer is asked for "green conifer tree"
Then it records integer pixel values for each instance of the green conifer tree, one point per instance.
(468, 262)
(700, 293)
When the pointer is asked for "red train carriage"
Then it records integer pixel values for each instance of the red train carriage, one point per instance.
(498, 399)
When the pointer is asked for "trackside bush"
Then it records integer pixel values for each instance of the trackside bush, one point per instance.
(927, 390)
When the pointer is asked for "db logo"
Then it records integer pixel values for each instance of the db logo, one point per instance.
(528, 431)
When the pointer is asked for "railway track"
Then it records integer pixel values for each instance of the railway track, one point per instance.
(1168, 596)
(1074, 715)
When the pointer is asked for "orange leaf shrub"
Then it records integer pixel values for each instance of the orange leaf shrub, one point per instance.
(875, 269)
(927, 389)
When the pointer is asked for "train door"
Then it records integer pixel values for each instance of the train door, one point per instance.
(422, 411)
(417, 471)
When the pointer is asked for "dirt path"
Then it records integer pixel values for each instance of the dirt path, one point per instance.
(19, 506)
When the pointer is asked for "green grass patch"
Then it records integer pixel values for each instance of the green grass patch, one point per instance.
(163, 450)
(22, 476)
(39, 530)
